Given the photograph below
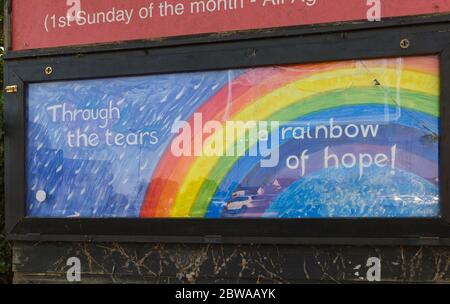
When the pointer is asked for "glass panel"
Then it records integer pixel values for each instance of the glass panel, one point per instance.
(328, 140)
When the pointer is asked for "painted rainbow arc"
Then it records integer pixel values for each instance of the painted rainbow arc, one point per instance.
(180, 187)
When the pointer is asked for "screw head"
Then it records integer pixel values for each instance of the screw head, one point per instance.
(48, 70)
(404, 44)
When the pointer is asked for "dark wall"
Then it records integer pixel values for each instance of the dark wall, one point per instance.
(176, 263)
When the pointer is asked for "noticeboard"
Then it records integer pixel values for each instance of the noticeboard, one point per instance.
(278, 139)
(341, 139)
(38, 24)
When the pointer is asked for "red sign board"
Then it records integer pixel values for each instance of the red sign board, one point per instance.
(55, 23)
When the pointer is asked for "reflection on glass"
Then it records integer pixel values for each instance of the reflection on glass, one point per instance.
(330, 140)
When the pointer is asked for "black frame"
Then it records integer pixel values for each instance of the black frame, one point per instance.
(283, 47)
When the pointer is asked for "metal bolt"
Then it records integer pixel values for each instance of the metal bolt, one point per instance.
(48, 70)
(11, 89)
(404, 44)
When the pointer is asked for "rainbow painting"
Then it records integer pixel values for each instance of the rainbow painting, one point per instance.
(350, 139)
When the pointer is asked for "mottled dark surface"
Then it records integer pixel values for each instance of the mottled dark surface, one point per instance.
(202, 263)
